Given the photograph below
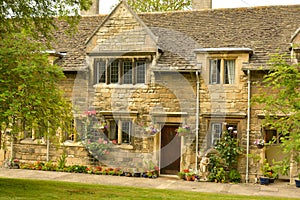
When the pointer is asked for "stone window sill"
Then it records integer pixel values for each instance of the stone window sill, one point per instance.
(124, 146)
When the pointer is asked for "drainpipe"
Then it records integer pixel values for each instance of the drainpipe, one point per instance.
(248, 127)
(11, 146)
(48, 144)
(197, 118)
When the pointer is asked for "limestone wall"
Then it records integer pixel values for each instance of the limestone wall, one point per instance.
(30, 152)
(122, 32)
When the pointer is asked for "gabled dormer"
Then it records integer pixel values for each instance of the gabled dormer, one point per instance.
(121, 49)
(295, 42)
(122, 32)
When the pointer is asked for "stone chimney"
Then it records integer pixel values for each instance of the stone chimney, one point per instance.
(202, 4)
(94, 9)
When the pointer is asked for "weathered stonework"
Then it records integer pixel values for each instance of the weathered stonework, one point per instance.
(33, 152)
(168, 42)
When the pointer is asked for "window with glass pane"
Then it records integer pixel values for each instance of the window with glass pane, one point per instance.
(100, 71)
(141, 72)
(214, 71)
(216, 133)
(113, 132)
(114, 72)
(273, 136)
(232, 129)
(127, 69)
(229, 71)
(126, 130)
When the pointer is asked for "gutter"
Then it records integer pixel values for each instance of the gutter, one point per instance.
(248, 127)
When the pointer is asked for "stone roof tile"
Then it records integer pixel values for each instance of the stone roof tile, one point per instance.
(266, 30)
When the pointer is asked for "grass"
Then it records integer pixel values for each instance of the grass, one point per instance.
(40, 189)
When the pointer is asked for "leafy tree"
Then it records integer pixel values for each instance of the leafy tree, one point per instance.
(37, 17)
(30, 97)
(281, 103)
(159, 5)
(29, 92)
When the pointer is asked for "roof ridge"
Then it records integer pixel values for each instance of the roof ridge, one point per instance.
(217, 9)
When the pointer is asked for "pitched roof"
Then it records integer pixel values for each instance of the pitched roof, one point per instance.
(265, 30)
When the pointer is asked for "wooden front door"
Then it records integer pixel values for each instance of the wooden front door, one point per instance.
(170, 150)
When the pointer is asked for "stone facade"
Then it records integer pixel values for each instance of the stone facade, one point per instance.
(178, 48)
(29, 151)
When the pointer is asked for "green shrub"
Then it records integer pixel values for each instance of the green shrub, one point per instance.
(49, 166)
(234, 176)
(77, 169)
(62, 161)
(229, 149)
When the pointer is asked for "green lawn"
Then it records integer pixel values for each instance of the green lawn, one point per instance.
(37, 189)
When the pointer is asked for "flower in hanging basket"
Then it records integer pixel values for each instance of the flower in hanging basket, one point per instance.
(151, 130)
(259, 143)
(183, 130)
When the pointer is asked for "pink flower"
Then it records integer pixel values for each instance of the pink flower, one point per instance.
(93, 112)
(106, 152)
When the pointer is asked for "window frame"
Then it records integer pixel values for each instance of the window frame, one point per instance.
(100, 71)
(211, 139)
(275, 138)
(115, 71)
(214, 70)
(144, 70)
(117, 132)
(127, 78)
(218, 67)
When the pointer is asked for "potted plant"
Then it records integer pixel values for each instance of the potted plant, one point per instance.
(269, 174)
(298, 181)
(181, 175)
(190, 176)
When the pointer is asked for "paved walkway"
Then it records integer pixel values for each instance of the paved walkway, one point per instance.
(279, 189)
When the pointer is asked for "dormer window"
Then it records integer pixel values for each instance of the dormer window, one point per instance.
(222, 66)
(120, 71)
(222, 71)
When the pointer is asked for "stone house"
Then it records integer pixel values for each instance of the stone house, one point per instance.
(170, 69)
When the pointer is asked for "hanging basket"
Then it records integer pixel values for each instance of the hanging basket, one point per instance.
(260, 146)
(183, 131)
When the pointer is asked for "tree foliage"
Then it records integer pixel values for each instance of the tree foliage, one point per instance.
(37, 17)
(281, 103)
(30, 96)
(229, 149)
(159, 5)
